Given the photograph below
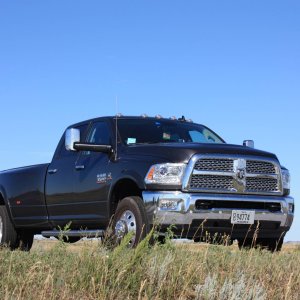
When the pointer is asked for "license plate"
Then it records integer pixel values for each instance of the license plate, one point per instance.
(242, 217)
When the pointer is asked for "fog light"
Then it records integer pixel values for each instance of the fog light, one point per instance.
(291, 207)
(168, 204)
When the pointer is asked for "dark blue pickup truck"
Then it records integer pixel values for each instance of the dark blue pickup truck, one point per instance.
(133, 172)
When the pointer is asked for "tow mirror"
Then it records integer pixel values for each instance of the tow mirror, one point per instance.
(72, 136)
(248, 143)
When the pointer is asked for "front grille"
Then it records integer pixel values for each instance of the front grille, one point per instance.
(260, 167)
(212, 182)
(240, 175)
(206, 164)
(261, 184)
(211, 204)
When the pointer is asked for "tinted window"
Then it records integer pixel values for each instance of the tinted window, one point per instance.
(99, 134)
(140, 131)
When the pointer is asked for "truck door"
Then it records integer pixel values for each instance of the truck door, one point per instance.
(60, 183)
(92, 178)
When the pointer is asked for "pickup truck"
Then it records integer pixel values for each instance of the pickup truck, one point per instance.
(132, 173)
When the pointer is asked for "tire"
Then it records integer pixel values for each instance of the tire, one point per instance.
(245, 243)
(24, 240)
(8, 234)
(131, 217)
(9, 237)
(271, 244)
(161, 239)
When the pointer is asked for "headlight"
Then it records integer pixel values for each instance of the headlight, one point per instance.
(286, 179)
(168, 173)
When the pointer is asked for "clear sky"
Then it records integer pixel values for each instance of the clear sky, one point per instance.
(231, 65)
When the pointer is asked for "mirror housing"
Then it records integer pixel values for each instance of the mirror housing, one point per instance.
(72, 136)
(72, 143)
(248, 143)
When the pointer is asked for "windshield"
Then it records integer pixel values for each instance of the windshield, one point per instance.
(151, 131)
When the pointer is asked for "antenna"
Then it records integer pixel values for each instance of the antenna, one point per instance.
(116, 155)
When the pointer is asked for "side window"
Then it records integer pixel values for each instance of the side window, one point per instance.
(99, 134)
(63, 152)
(202, 137)
(197, 136)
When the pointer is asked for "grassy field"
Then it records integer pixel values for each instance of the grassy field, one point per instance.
(87, 270)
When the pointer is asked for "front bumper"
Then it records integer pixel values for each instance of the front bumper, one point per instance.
(187, 219)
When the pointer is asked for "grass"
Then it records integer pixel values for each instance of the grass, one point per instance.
(88, 270)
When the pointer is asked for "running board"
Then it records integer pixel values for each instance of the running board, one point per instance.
(74, 233)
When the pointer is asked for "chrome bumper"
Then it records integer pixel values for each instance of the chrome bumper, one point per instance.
(185, 211)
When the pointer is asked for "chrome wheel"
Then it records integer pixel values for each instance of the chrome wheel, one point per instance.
(1, 229)
(125, 224)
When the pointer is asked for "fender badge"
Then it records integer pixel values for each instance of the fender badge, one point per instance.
(103, 178)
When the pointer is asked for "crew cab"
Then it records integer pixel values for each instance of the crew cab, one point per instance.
(130, 173)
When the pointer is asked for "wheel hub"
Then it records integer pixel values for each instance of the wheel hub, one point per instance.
(120, 229)
(125, 224)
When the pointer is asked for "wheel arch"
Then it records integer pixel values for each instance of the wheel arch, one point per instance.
(124, 187)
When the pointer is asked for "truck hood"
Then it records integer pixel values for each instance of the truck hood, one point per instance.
(182, 152)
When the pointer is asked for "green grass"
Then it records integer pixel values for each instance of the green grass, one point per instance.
(87, 270)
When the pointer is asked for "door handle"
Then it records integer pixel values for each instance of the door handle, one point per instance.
(80, 167)
(52, 171)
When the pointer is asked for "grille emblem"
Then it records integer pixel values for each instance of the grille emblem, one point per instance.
(239, 168)
(240, 173)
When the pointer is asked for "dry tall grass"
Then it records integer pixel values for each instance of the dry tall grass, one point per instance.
(87, 270)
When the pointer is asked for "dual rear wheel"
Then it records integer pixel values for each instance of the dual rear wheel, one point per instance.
(22, 240)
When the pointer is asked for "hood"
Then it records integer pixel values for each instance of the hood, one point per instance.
(182, 152)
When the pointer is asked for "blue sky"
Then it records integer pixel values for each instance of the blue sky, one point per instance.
(231, 65)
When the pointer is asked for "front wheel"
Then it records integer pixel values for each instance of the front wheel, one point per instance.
(130, 217)
(270, 244)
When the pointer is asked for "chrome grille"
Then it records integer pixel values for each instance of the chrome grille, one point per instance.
(261, 184)
(260, 167)
(233, 174)
(207, 164)
(212, 182)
